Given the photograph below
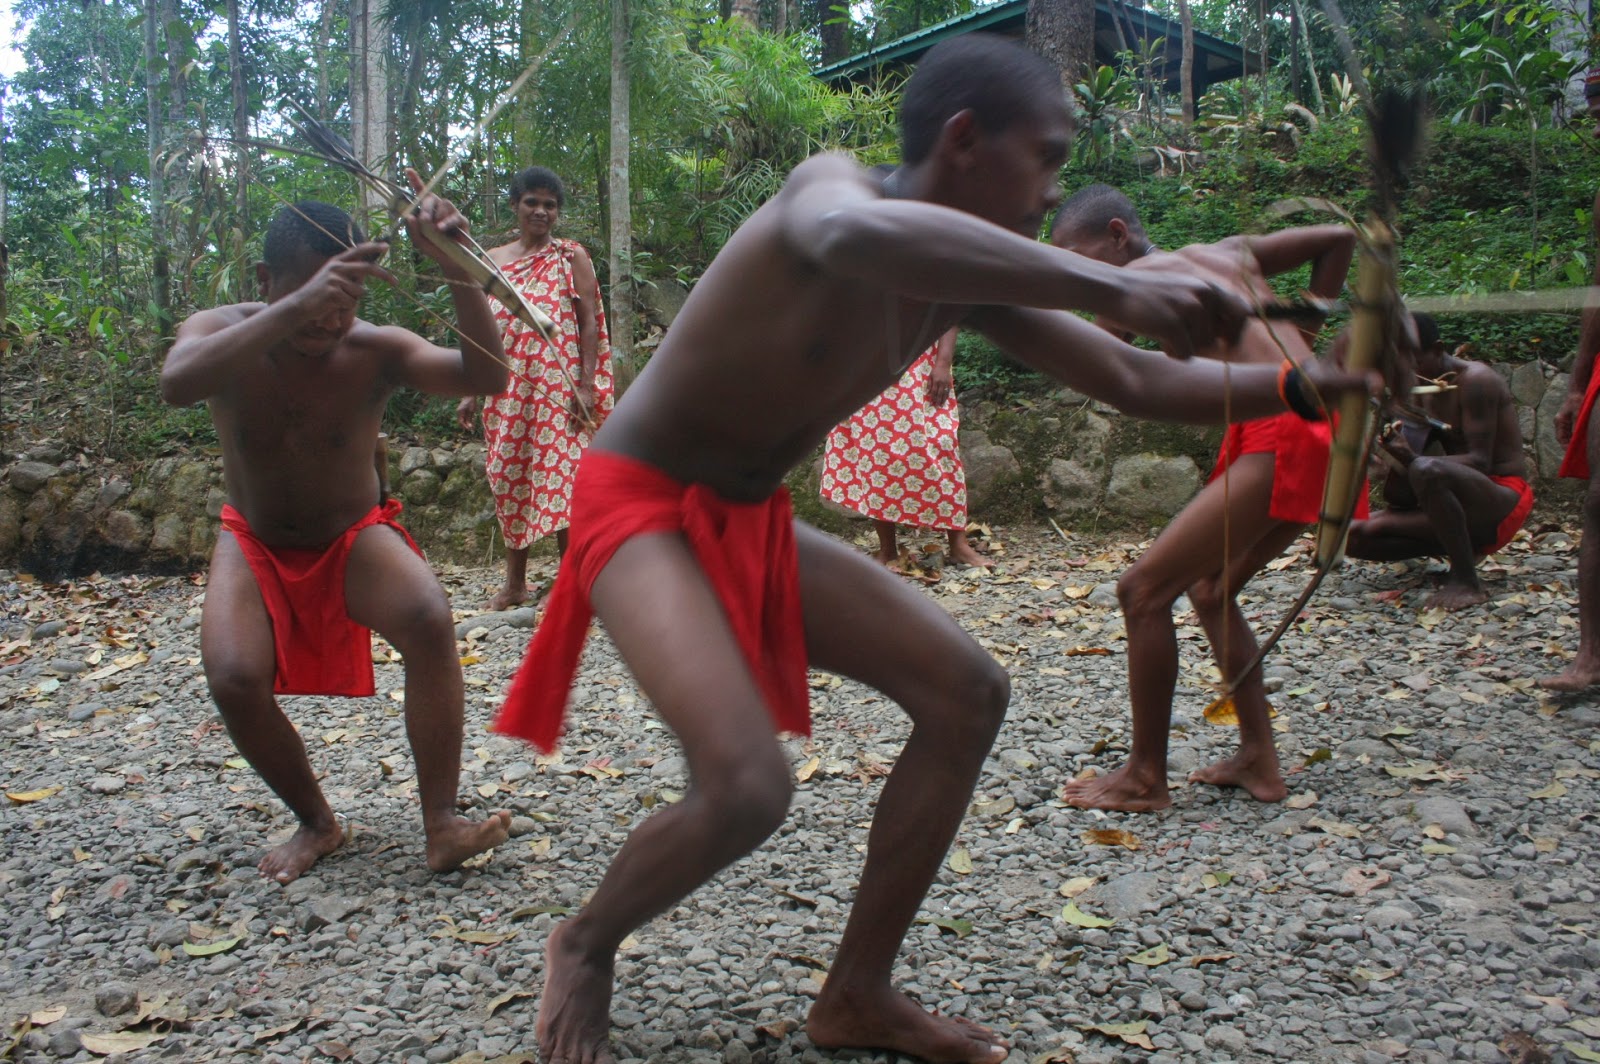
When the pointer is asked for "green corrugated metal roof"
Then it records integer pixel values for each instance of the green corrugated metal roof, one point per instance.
(1208, 49)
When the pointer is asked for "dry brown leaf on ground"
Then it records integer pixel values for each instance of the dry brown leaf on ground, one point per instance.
(1111, 837)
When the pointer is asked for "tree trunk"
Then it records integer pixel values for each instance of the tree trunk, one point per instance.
(1062, 31)
(1186, 67)
(1311, 59)
(241, 122)
(369, 92)
(747, 11)
(160, 266)
(832, 29)
(620, 256)
(522, 114)
(320, 50)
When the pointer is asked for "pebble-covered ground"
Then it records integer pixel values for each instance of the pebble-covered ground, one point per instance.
(1427, 892)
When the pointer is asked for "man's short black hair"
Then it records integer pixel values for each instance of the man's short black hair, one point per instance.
(1091, 209)
(307, 230)
(1000, 82)
(1427, 331)
(538, 177)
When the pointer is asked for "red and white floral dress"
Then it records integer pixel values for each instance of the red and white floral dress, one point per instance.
(897, 458)
(533, 446)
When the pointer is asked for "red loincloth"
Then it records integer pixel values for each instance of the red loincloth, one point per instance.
(1518, 515)
(747, 551)
(319, 649)
(1575, 463)
(1300, 463)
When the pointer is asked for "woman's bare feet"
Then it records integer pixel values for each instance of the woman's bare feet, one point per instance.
(963, 552)
(509, 597)
(890, 562)
(1456, 596)
(1122, 789)
(1258, 775)
(887, 1019)
(574, 1024)
(454, 839)
(289, 862)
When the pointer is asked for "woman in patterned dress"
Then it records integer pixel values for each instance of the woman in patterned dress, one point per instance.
(898, 462)
(538, 427)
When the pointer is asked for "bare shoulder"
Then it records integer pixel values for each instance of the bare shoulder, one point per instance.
(825, 168)
(215, 319)
(1482, 378)
(504, 255)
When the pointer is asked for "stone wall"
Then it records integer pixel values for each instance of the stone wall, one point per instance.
(1064, 455)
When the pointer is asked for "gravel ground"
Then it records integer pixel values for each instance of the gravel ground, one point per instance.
(1428, 891)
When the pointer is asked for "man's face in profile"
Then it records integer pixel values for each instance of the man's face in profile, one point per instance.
(1019, 168)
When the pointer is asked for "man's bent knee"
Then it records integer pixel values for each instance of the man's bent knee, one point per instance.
(749, 796)
(1208, 595)
(1140, 597)
(422, 623)
(235, 684)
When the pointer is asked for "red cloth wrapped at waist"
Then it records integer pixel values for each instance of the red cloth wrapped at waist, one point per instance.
(1300, 463)
(1516, 518)
(1575, 463)
(319, 649)
(747, 551)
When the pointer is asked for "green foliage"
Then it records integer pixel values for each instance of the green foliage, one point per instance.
(982, 371)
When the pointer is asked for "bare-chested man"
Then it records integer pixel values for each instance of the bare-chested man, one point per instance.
(1582, 462)
(682, 539)
(1266, 488)
(310, 558)
(1456, 485)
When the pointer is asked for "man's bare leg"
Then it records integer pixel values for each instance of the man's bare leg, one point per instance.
(515, 590)
(864, 625)
(1584, 669)
(1459, 501)
(1188, 550)
(962, 552)
(888, 553)
(392, 591)
(1254, 767)
(236, 647)
(670, 628)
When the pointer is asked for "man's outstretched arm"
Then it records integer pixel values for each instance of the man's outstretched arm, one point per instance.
(1145, 384)
(832, 215)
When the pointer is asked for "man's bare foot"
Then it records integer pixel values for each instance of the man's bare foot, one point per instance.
(1456, 596)
(887, 1019)
(457, 838)
(1118, 790)
(1263, 781)
(289, 862)
(1578, 676)
(574, 1024)
(966, 554)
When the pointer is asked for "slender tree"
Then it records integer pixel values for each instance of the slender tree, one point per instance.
(369, 91)
(620, 255)
(241, 121)
(1186, 66)
(160, 262)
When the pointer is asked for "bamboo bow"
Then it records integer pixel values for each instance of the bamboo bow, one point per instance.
(1375, 333)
